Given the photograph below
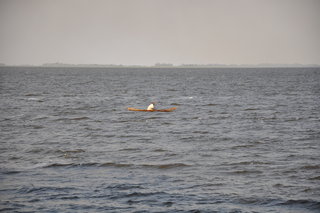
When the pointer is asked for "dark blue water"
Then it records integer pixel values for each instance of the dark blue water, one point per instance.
(241, 140)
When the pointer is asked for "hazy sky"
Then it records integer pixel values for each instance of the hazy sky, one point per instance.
(150, 31)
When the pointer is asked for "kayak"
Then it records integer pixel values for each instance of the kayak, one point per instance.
(154, 110)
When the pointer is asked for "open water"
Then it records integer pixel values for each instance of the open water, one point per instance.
(241, 140)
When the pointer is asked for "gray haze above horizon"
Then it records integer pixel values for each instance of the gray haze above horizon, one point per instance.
(145, 32)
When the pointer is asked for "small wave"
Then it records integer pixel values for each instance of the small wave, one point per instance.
(9, 172)
(36, 150)
(314, 178)
(32, 94)
(117, 165)
(83, 83)
(74, 151)
(307, 204)
(57, 165)
(243, 146)
(186, 97)
(166, 123)
(250, 200)
(34, 189)
(79, 118)
(71, 153)
(249, 163)
(109, 136)
(35, 99)
(72, 119)
(201, 132)
(165, 166)
(93, 129)
(210, 105)
(127, 121)
(152, 166)
(134, 195)
(53, 165)
(129, 149)
(68, 153)
(41, 117)
(310, 204)
(152, 118)
(222, 117)
(129, 136)
(243, 172)
(310, 167)
(251, 109)
(35, 126)
(293, 119)
(160, 150)
(279, 185)
(142, 194)
(68, 95)
(307, 190)
(125, 186)
(8, 209)
(69, 197)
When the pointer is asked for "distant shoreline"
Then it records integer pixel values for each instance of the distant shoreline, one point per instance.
(167, 66)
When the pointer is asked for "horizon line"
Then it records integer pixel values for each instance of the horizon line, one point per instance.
(160, 65)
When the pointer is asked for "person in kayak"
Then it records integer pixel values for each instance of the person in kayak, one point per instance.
(151, 106)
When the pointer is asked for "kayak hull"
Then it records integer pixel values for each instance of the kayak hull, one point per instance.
(155, 110)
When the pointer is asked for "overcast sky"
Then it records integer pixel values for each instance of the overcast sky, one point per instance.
(149, 31)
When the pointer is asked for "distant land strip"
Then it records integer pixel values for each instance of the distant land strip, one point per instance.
(163, 65)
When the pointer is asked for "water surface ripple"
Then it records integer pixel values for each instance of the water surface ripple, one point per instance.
(241, 140)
